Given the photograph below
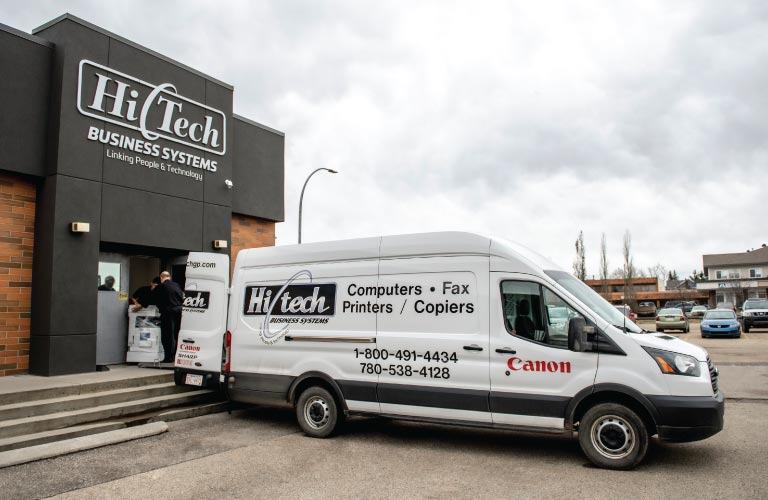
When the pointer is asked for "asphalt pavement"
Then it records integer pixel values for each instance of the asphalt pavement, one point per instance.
(259, 453)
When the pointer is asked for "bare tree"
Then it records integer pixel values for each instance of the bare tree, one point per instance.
(657, 271)
(579, 262)
(629, 269)
(604, 265)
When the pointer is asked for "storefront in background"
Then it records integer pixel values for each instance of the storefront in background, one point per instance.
(115, 162)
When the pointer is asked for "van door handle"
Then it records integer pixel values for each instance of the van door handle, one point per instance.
(473, 347)
(188, 341)
(506, 350)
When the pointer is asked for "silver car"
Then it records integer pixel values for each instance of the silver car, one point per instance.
(672, 318)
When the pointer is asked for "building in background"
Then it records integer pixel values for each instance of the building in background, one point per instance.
(736, 277)
(115, 161)
(643, 290)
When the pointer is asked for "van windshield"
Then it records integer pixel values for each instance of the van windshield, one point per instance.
(593, 300)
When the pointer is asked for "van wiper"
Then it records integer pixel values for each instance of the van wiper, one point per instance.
(622, 328)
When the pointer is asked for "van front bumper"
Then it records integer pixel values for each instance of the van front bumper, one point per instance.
(682, 419)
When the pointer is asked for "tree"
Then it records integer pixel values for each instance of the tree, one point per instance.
(657, 271)
(629, 269)
(579, 262)
(604, 265)
(672, 275)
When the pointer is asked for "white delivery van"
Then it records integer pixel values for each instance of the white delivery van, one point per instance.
(450, 328)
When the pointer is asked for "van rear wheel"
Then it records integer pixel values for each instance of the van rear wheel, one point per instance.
(317, 412)
(613, 436)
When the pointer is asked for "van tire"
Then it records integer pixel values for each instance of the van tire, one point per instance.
(613, 436)
(317, 413)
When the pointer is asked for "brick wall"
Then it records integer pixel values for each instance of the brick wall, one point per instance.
(250, 232)
(17, 232)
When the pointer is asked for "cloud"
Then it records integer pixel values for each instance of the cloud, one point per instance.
(531, 120)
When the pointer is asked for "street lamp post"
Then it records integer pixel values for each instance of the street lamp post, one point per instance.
(301, 198)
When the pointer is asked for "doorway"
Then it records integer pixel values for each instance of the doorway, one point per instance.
(122, 270)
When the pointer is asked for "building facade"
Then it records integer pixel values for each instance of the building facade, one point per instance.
(643, 290)
(735, 277)
(115, 163)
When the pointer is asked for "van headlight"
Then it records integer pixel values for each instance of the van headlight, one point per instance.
(673, 363)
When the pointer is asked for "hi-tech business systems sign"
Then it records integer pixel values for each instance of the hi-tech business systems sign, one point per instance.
(156, 112)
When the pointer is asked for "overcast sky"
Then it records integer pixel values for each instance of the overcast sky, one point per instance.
(527, 120)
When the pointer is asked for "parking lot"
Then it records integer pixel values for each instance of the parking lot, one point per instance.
(259, 453)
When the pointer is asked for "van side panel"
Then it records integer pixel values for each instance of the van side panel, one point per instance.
(287, 321)
(433, 344)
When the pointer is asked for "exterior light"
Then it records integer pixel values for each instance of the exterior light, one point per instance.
(301, 198)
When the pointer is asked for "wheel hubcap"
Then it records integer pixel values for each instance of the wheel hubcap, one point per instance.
(613, 437)
(316, 412)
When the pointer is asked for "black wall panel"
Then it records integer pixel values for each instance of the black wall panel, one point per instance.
(258, 171)
(24, 92)
(66, 263)
(69, 151)
(149, 219)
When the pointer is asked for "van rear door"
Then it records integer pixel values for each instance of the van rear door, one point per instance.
(204, 317)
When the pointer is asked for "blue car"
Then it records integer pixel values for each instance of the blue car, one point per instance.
(720, 322)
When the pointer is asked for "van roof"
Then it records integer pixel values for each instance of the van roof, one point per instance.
(396, 246)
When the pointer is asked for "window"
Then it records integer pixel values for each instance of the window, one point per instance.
(729, 274)
(756, 273)
(536, 313)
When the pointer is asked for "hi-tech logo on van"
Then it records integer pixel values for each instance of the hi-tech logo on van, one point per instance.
(289, 302)
(157, 111)
(194, 299)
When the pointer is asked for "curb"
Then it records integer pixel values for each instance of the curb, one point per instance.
(50, 450)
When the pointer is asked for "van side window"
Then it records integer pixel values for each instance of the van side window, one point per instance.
(522, 310)
(536, 313)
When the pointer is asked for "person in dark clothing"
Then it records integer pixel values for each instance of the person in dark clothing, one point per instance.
(168, 297)
(108, 286)
(143, 294)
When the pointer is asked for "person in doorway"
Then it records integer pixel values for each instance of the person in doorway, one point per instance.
(143, 294)
(168, 297)
(108, 286)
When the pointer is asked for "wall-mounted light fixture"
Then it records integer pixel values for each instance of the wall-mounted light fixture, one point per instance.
(228, 183)
(80, 227)
(219, 243)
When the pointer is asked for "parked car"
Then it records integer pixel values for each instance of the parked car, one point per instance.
(646, 309)
(685, 305)
(755, 314)
(627, 311)
(698, 312)
(720, 322)
(672, 318)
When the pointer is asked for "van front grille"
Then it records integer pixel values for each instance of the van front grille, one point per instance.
(712, 374)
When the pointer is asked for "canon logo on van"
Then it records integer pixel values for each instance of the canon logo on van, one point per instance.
(516, 364)
(197, 301)
(312, 299)
(157, 111)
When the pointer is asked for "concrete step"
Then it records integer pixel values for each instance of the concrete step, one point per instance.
(60, 390)
(87, 400)
(27, 440)
(59, 420)
(50, 450)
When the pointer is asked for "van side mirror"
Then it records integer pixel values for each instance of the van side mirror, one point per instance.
(577, 334)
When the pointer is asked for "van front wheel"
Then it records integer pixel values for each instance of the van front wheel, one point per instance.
(613, 436)
(317, 412)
